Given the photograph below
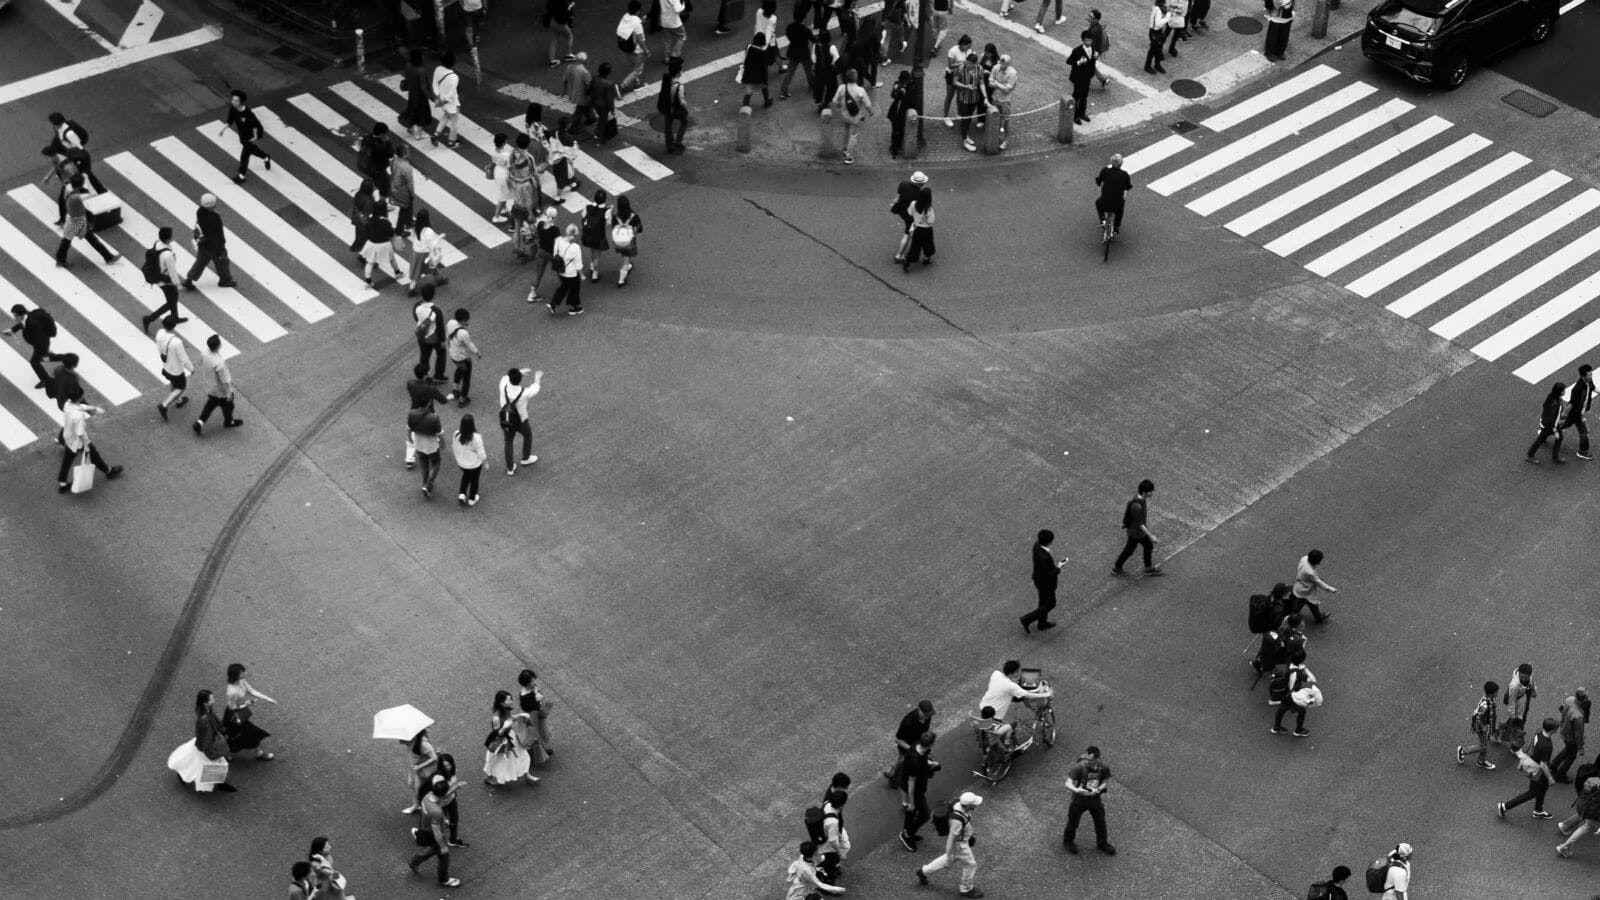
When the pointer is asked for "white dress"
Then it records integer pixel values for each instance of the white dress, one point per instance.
(507, 765)
(502, 175)
(187, 761)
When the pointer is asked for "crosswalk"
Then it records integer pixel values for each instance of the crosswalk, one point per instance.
(1481, 244)
(288, 234)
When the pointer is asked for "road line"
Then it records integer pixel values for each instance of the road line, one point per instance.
(1267, 99)
(100, 65)
(271, 278)
(1260, 139)
(642, 162)
(1298, 158)
(1469, 269)
(68, 9)
(1155, 153)
(1401, 223)
(1378, 194)
(1570, 5)
(1549, 312)
(464, 170)
(1518, 286)
(1562, 354)
(1457, 234)
(1049, 43)
(1337, 177)
(43, 207)
(143, 26)
(338, 275)
(13, 432)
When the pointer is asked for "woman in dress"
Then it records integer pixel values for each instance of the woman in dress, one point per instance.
(77, 224)
(208, 746)
(424, 761)
(528, 686)
(470, 457)
(418, 115)
(243, 734)
(504, 760)
(624, 232)
(500, 174)
(330, 884)
(522, 177)
(921, 231)
(593, 232)
(378, 252)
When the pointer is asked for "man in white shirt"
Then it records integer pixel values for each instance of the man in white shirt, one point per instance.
(175, 365)
(1397, 884)
(170, 276)
(514, 397)
(672, 26)
(1003, 689)
(958, 846)
(75, 439)
(446, 86)
(631, 27)
(1307, 581)
(1002, 81)
(218, 384)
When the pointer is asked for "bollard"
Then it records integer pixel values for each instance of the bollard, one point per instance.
(741, 132)
(361, 51)
(993, 134)
(438, 21)
(827, 149)
(472, 48)
(1066, 115)
(908, 145)
(1319, 19)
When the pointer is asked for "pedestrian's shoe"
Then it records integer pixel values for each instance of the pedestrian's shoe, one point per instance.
(1531, 459)
(226, 788)
(457, 842)
(533, 297)
(1301, 732)
(1039, 28)
(969, 145)
(1107, 849)
(949, 122)
(410, 464)
(575, 311)
(473, 501)
(551, 307)
(1025, 628)
(1046, 626)
(972, 893)
(723, 29)
(511, 471)
(1556, 460)
(1583, 455)
(199, 427)
(921, 878)
(1149, 71)
(267, 161)
(1153, 571)
(1173, 53)
(114, 473)
(1061, 20)
(188, 285)
(529, 460)
(61, 488)
(1162, 71)
(162, 408)
(1563, 850)
(227, 284)
(1461, 755)
(531, 779)
(1486, 765)
(1541, 814)
(1119, 573)
(234, 423)
(461, 499)
(452, 883)
(908, 843)
(1070, 847)
(1500, 810)
(1278, 729)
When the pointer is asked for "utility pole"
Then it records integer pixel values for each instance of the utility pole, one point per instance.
(919, 57)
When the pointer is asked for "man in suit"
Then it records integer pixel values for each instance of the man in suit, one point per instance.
(211, 245)
(1045, 573)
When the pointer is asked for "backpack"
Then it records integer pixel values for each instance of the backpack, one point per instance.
(1319, 891)
(1271, 652)
(814, 830)
(1278, 687)
(1103, 42)
(152, 266)
(1290, 642)
(943, 815)
(1261, 620)
(429, 328)
(80, 131)
(510, 418)
(39, 326)
(1377, 874)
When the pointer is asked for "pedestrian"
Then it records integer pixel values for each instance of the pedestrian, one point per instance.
(373, 156)
(941, 27)
(563, 150)
(866, 50)
(835, 847)
(402, 189)
(1307, 581)
(545, 233)
(1483, 726)
(1135, 521)
(243, 734)
(218, 384)
(1333, 888)
(419, 776)
(514, 397)
(920, 244)
(969, 92)
(1087, 780)
(1177, 30)
(912, 726)
(671, 16)
(505, 760)
(1534, 762)
(802, 881)
(161, 262)
(1574, 716)
(77, 445)
(69, 139)
(427, 256)
(1081, 62)
(623, 232)
(417, 117)
(1115, 183)
(423, 430)
(470, 457)
(499, 172)
(378, 251)
(461, 350)
(766, 25)
(64, 384)
(524, 726)
(561, 17)
(1280, 16)
(1102, 40)
(300, 883)
(1158, 32)
(592, 230)
(430, 835)
(631, 40)
(1397, 874)
(428, 327)
(899, 105)
(445, 90)
(917, 769)
(898, 21)
(753, 74)
(76, 225)
(1579, 398)
(37, 328)
(528, 686)
(800, 39)
(210, 245)
(330, 884)
(446, 774)
(242, 119)
(1585, 818)
(575, 81)
(1518, 699)
(1002, 82)
(1044, 6)
(958, 846)
(422, 394)
(1046, 571)
(363, 207)
(567, 257)
(199, 761)
(1303, 694)
(603, 98)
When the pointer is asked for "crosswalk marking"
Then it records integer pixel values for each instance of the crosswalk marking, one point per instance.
(1167, 147)
(1457, 234)
(643, 163)
(1475, 266)
(1259, 140)
(1447, 196)
(42, 207)
(1550, 312)
(13, 432)
(1563, 353)
(457, 165)
(240, 252)
(1518, 286)
(1300, 157)
(1267, 99)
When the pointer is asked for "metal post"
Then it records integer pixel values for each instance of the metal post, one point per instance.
(909, 145)
(741, 132)
(919, 57)
(1319, 19)
(361, 51)
(472, 49)
(993, 134)
(1066, 114)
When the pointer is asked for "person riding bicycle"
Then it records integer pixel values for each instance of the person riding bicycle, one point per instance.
(1003, 689)
(1114, 185)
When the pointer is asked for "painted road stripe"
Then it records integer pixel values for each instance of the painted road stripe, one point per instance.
(1549, 312)
(243, 256)
(1457, 234)
(643, 163)
(340, 277)
(1401, 223)
(1551, 361)
(97, 311)
(1155, 153)
(43, 207)
(1260, 139)
(91, 367)
(1337, 177)
(532, 93)
(13, 432)
(1378, 194)
(111, 62)
(464, 170)
(1298, 158)
(1267, 99)
(143, 26)
(1518, 286)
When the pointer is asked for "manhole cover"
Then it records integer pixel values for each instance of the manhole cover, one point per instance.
(283, 51)
(1188, 88)
(1245, 25)
(1184, 127)
(1538, 107)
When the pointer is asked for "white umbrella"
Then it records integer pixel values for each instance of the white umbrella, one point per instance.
(399, 723)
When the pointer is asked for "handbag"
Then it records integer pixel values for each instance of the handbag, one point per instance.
(82, 473)
(488, 170)
(213, 772)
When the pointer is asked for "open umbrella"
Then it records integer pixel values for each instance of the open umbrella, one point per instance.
(399, 723)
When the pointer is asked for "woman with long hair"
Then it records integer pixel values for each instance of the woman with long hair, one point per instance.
(500, 174)
(418, 115)
(592, 232)
(208, 746)
(673, 104)
(921, 231)
(242, 733)
(528, 686)
(470, 456)
(504, 760)
(424, 761)
(623, 232)
(427, 253)
(330, 884)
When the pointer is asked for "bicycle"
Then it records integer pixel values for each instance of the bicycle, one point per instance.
(1107, 232)
(995, 755)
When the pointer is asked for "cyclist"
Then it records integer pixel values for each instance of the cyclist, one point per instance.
(1003, 689)
(1114, 184)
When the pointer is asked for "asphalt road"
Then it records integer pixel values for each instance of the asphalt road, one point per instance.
(1564, 68)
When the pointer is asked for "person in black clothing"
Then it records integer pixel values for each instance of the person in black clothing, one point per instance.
(1540, 749)
(899, 105)
(211, 246)
(1114, 184)
(1333, 888)
(1578, 402)
(64, 384)
(1082, 63)
(37, 328)
(1045, 573)
(919, 767)
(242, 119)
(800, 38)
(905, 195)
(1087, 780)
(377, 154)
(1134, 516)
(1550, 423)
(911, 727)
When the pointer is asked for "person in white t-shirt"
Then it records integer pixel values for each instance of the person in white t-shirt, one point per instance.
(467, 447)
(801, 880)
(1397, 884)
(445, 88)
(1003, 689)
(672, 27)
(513, 398)
(631, 27)
(175, 365)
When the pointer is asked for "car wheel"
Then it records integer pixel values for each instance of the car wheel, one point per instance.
(1545, 24)
(1454, 73)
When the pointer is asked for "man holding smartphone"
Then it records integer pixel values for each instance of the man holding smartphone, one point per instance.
(1087, 780)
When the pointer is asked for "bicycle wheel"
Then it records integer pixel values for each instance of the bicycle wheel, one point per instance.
(1105, 238)
(996, 764)
(1045, 726)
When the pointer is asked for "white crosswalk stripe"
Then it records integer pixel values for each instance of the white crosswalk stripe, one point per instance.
(1402, 208)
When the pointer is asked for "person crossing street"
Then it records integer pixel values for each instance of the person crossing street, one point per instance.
(1579, 398)
(210, 245)
(1087, 780)
(958, 847)
(1134, 522)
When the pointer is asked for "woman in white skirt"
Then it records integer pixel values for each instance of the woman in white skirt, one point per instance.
(424, 760)
(500, 174)
(379, 249)
(504, 760)
(625, 228)
(208, 746)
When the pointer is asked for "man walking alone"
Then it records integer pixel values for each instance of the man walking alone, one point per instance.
(1134, 523)
(210, 246)
(218, 383)
(958, 846)
(1046, 571)
(1087, 781)
(38, 328)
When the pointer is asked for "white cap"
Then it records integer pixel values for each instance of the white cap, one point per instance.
(970, 799)
(1404, 849)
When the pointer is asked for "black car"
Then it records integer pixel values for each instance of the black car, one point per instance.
(1438, 41)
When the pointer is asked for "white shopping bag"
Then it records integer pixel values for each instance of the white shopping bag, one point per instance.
(82, 474)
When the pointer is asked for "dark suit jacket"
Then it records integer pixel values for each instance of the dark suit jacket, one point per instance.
(1044, 567)
(212, 237)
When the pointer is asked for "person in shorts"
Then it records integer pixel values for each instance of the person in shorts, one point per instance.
(175, 365)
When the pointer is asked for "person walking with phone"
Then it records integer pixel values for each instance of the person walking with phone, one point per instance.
(1046, 571)
(1135, 521)
(514, 397)
(1087, 780)
(917, 769)
(1534, 763)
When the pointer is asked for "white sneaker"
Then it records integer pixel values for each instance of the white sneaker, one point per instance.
(949, 123)
(529, 460)
(473, 502)
(512, 470)
(1038, 27)
(1061, 21)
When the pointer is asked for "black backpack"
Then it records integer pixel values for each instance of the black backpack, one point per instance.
(814, 830)
(510, 418)
(942, 814)
(1377, 874)
(40, 326)
(1278, 687)
(80, 131)
(1583, 773)
(1322, 890)
(625, 44)
(152, 266)
(1261, 607)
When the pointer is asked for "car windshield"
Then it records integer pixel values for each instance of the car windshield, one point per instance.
(1422, 17)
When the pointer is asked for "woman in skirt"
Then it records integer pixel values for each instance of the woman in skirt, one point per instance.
(523, 177)
(242, 733)
(330, 884)
(500, 174)
(921, 231)
(76, 224)
(208, 746)
(504, 761)
(592, 233)
(424, 761)
(528, 686)
(379, 250)
(624, 232)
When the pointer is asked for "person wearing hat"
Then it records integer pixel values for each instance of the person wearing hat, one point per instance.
(1574, 715)
(210, 245)
(1397, 881)
(958, 846)
(905, 195)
